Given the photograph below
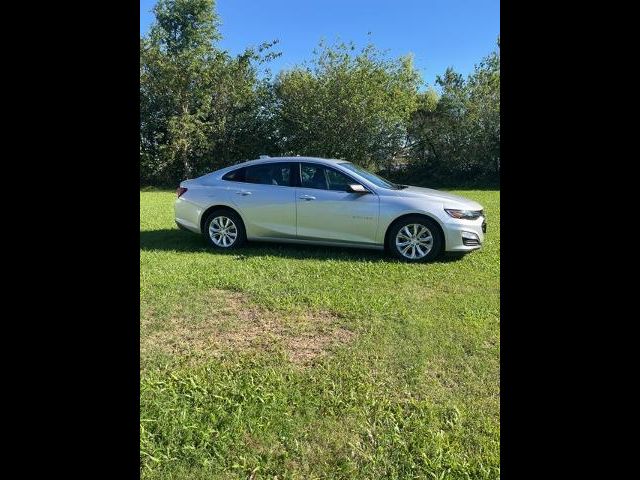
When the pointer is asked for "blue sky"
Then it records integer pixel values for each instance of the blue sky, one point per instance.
(440, 33)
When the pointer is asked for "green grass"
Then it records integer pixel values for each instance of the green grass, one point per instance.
(230, 388)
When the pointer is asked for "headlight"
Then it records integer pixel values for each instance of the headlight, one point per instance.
(464, 214)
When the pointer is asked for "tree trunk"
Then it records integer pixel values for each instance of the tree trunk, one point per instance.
(186, 163)
(187, 169)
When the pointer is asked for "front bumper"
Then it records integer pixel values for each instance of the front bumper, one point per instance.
(464, 235)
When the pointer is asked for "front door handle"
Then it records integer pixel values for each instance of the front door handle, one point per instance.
(307, 197)
(243, 193)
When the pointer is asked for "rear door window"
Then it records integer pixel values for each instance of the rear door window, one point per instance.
(263, 174)
(269, 174)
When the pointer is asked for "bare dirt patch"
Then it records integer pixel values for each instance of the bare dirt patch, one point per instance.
(227, 322)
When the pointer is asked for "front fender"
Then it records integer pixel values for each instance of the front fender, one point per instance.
(394, 210)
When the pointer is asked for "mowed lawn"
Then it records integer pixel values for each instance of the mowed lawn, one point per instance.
(314, 362)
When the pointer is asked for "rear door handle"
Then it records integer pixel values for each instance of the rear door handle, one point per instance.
(307, 197)
(243, 193)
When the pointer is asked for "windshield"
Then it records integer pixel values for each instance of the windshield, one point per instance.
(372, 177)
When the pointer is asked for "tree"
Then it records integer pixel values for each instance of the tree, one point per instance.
(200, 108)
(347, 106)
(243, 108)
(484, 110)
(175, 81)
(456, 135)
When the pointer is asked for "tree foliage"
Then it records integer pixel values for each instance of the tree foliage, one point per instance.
(201, 108)
(347, 106)
(456, 135)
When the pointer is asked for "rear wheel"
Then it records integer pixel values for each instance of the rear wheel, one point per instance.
(415, 239)
(224, 230)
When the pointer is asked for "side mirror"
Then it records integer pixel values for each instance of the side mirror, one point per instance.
(356, 188)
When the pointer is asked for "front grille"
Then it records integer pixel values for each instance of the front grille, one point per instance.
(484, 226)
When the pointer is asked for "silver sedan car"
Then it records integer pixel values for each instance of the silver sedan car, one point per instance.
(326, 202)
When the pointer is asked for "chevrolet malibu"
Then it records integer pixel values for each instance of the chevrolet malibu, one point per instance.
(326, 202)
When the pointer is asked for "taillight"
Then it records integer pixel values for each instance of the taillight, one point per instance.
(180, 191)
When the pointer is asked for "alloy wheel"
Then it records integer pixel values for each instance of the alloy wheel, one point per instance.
(223, 232)
(414, 241)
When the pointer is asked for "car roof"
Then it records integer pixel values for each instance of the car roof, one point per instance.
(328, 161)
(218, 174)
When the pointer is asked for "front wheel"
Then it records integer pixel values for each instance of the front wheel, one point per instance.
(224, 230)
(415, 239)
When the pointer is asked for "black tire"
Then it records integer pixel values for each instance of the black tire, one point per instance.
(436, 245)
(241, 235)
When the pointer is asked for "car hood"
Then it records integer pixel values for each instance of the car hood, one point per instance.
(448, 199)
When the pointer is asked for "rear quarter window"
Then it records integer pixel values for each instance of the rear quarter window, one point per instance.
(235, 175)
